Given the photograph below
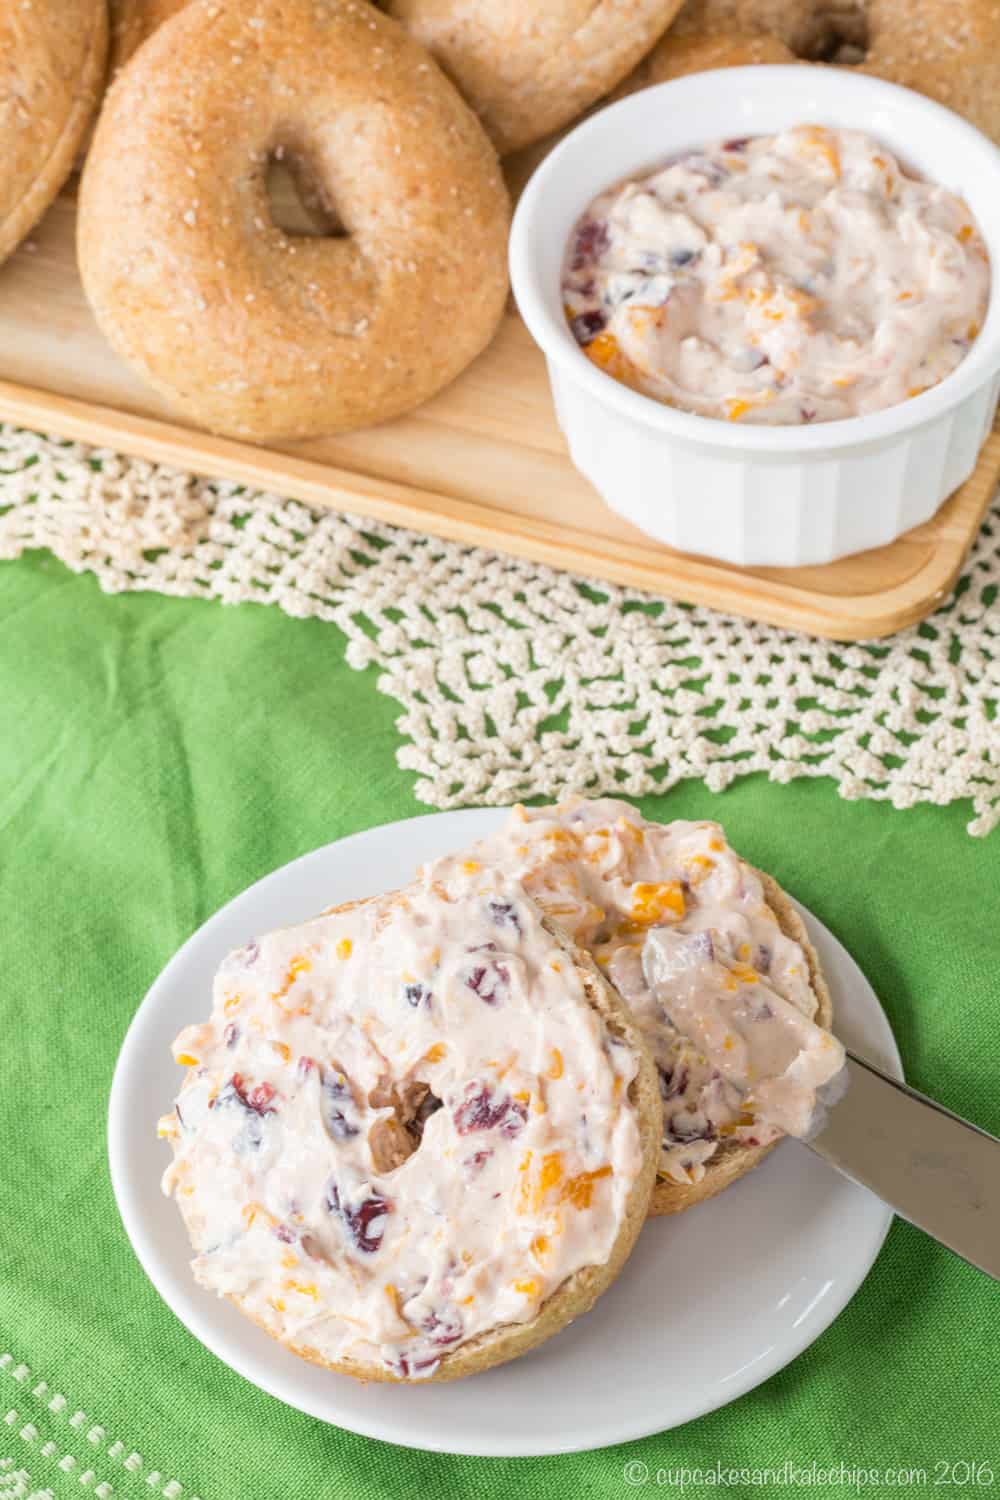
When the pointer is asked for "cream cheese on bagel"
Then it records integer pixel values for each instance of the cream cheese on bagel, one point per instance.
(408, 1125)
(685, 930)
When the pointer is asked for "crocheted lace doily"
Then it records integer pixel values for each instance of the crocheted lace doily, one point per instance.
(516, 680)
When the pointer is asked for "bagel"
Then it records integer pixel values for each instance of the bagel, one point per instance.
(946, 49)
(528, 69)
(132, 21)
(244, 328)
(418, 1134)
(611, 879)
(52, 61)
(699, 54)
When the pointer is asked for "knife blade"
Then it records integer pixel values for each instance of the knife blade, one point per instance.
(933, 1168)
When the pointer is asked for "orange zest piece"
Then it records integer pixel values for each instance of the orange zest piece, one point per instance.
(344, 948)
(434, 1054)
(555, 1068)
(304, 1288)
(657, 901)
(736, 409)
(580, 1190)
(529, 1288)
(606, 353)
(186, 1060)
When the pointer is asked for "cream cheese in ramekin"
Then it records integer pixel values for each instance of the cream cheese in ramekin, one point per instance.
(781, 279)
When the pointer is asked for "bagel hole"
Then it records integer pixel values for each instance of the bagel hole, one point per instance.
(394, 1138)
(840, 36)
(295, 200)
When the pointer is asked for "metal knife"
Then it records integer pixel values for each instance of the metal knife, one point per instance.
(931, 1166)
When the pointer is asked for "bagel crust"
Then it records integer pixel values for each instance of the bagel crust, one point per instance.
(946, 49)
(311, 1269)
(52, 60)
(248, 330)
(527, 69)
(132, 21)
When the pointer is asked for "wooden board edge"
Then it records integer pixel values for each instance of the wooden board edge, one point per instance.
(848, 618)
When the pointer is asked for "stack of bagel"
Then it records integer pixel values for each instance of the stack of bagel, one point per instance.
(392, 120)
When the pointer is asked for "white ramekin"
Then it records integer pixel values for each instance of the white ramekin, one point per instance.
(752, 494)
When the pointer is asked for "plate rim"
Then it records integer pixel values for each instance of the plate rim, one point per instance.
(185, 1306)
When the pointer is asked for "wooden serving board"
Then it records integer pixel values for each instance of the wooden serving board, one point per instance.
(482, 463)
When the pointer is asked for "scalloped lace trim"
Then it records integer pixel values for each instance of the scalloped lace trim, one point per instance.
(518, 681)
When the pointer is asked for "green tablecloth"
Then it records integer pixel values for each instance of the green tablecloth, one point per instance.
(159, 755)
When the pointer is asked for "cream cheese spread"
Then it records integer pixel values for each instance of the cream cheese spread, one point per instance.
(681, 926)
(783, 279)
(403, 1125)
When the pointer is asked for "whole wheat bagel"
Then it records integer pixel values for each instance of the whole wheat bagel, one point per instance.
(249, 330)
(291, 1259)
(132, 21)
(527, 69)
(946, 49)
(52, 60)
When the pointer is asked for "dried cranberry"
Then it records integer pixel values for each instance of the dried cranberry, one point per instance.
(256, 1105)
(590, 241)
(365, 1223)
(446, 1330)
(740, 143)
(686, 1126)
(807, 413)
(477, 1160)
(257, 1101)
(404, 1366)
(417, 994)
(489, 978)
(673, 1081)
(231, 1034)
(285, 1234)
(483, 1110)
(586, 326)
(504, 914)
(337, 1105)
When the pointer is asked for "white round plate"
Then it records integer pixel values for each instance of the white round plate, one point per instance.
(742, 1284)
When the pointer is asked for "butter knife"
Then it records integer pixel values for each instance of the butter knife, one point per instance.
(932, 1167)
